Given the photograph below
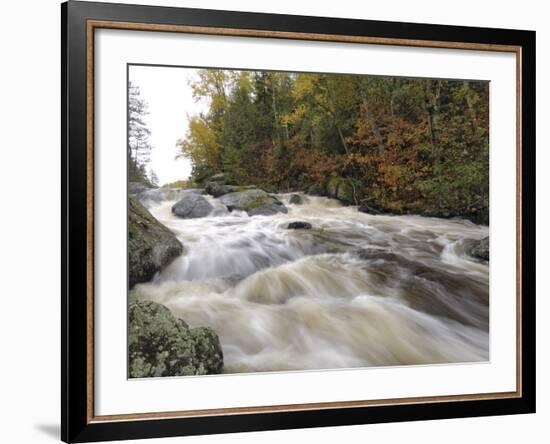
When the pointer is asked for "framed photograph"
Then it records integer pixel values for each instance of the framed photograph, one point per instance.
(276, 221)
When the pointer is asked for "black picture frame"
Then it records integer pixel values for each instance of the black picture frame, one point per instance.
(76, 423)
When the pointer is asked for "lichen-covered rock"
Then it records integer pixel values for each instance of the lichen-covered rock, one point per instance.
(192, 206)
(159, 344)
(254, 202)
(208, 350)
(151, 246)
(479, 249)
(296, 199)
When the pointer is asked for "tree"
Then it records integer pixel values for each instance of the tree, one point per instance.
(139, 147)
(413, 145)
(153, 178)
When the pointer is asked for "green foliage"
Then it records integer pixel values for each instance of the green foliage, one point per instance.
(413, 145)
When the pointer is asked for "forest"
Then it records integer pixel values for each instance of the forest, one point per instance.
(400, 145)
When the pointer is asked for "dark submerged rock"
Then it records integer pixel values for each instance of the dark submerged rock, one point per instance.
(151, 246)
(479, 249)
(191, 206)
(426, 288)
(369, 208)
(296, 199)
(299, 226)
(254, 202)
(159, 344)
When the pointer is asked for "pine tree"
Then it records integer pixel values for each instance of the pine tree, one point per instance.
(139, 146)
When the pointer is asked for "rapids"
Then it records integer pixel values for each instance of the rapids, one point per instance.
(354, 291)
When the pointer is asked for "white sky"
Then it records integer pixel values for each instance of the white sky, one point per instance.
(168, 94)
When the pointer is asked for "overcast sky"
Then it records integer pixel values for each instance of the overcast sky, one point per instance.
(168, 94)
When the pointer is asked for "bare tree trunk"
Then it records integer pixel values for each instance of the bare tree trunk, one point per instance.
(342, 139)
(432, 110)
(471, 109)
(275, 116)
(372, 123)
(350, 181)
(332, 113)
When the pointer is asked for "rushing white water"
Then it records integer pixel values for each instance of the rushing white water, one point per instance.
(354, 291)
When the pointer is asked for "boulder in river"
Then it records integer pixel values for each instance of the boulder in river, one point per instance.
(296, 199)
(299, 225)
(191, 206)
(151, 246)
(479, 249)
(159, 344)
(254, 202)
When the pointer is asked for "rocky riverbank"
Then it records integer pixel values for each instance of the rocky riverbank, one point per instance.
(160, 344)
(348, 193)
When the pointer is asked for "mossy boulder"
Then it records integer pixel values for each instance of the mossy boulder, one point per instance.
(254, 202)
(479, 249)
(159, 344)
(151, 246)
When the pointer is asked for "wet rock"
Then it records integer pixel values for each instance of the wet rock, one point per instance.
(192, 206)
(317, 190)
(296, 199)
(480, 217)
(159, 344)
(254, 202)
(479, 249)
(217, 189)
(371, 207)
(299, 226)
(151, 246)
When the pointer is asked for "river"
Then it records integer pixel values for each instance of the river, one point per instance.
(356, 290)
